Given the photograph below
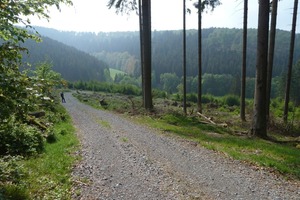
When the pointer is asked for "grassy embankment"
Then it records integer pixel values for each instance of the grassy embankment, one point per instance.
(232, 140)
(46, 175)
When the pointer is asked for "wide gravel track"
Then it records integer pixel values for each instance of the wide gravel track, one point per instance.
(125, 160)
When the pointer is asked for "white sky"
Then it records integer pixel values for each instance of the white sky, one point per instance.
(94, 16)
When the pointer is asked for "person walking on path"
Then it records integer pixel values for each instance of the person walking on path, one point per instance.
(62, 97)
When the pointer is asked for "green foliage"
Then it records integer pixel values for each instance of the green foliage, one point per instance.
(71, 63)
(10, 171)
(169, 82)
(11, 175)
(159, 93)
(231, 100)
(222, 53)
(192, 97)
(17, 138)
(47, 176)
(125, 79)
(208, 98)
(106, 87)
(13, 192)
(114, 73)
(19, 93)
(120, 62)
(18, 12)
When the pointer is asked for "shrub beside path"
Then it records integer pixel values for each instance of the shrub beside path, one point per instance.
(125, 160)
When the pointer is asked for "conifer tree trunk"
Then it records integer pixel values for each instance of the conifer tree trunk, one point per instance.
(271, 54)
(244, 62)
(146, 50)
(199, 102)
(184, 58)
(141, 45)
(259, 127)
(290, 63)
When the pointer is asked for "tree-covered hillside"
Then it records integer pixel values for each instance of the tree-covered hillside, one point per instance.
(222, 50)
(71, 63)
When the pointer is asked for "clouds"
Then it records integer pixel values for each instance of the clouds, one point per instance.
(94, 16)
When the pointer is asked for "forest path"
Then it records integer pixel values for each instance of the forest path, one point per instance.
(125, 160)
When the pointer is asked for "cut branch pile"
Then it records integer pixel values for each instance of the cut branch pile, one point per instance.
(210, 121)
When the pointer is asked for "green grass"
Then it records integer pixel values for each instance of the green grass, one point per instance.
(48, 175)
(282, 158)
(124, 139)
(113, 72)
(103, 123)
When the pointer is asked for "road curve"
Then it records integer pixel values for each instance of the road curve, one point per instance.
(125, 160)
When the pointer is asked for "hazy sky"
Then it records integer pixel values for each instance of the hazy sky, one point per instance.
(94, 16)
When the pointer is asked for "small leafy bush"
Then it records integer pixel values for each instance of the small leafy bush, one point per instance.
(10, 171)
(11, 175)
(192, 97)
(51, 137)
(207, 98)
(231, 100)
(19, 139)
(14, 192)
(159, 93)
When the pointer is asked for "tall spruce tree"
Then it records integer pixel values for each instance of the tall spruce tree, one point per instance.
(184, 57)
(244, 61)
(271, 53)
(259, 127)
(290, 63)
(201, 5)
(145, 39)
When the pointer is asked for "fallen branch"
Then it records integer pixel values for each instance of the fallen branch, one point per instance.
(208, 119)
(33, 121)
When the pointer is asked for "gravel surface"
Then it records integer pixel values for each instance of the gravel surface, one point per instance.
(125, 160)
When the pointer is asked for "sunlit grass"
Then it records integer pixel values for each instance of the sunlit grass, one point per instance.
(49, 174)
(103, 123)
(114, 72)
(281, 157)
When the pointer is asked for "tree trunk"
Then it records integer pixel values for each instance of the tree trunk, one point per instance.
(146, 49)
(184, 58)
(271, 54)
(199, 103)
(244, 62)
(141, 46)
(290, 64)
(259, 127)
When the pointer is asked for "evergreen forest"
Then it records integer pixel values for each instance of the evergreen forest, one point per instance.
(222, 58)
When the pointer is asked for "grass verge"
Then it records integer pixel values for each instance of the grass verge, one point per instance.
(48, 175)
(282, 158)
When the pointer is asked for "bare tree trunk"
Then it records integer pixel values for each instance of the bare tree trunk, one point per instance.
(259, 127)
(290, 63)
(141, 45)
(146, 37)
(199, 103)
(244, 62)
(184, 57)
(271, 54)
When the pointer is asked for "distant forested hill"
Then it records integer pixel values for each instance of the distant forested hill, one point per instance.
(72, 63)
(222, 50)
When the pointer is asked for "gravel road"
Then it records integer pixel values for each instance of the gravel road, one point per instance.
(125, 160)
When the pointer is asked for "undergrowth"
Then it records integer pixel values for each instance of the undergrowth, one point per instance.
(46, 175)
